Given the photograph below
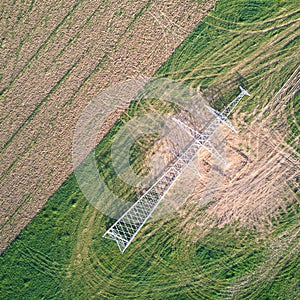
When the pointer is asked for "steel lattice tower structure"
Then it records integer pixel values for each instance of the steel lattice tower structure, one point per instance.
(130, 223)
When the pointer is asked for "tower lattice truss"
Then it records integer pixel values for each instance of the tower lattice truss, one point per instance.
(130, 223)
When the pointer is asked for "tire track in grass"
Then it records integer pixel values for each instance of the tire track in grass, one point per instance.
(124, 270)
(114, 268)
(40, 261)
(230, 46)
(259, 54)
(264, 275)
(160, 283)
(149, 246)
(262, 51)
(265, 22)
(241, 31)
(220, 78)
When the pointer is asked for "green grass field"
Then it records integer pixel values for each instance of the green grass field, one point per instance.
(61, 254)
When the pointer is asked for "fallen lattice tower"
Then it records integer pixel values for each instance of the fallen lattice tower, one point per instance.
(130, 223)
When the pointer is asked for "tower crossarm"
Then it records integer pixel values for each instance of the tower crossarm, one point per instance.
(203, 139)
(221, 117)
(232, 105)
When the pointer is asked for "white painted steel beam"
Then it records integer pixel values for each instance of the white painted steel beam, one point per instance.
(124, 230)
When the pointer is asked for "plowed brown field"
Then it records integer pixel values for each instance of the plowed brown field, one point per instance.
(55, 57)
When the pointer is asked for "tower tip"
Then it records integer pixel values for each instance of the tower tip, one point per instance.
(244, 91)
